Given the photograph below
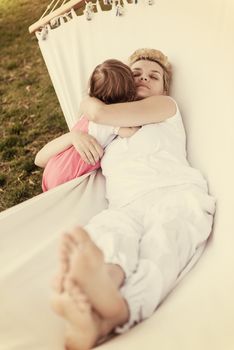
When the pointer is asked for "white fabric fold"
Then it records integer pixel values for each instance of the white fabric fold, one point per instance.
(198, 39)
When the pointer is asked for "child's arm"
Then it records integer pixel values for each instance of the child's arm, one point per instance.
(86, 145)
(52, 148)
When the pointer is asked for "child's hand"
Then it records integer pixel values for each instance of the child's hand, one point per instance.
(128, 132)
(87, 146)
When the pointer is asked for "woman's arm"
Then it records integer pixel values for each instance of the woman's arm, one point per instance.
(85, 144)
(152, 109)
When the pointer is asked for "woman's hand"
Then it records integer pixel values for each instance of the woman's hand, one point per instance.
(87, 146)
(90, 106)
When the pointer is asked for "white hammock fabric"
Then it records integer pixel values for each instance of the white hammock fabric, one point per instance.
(199, 314)
(76, 47)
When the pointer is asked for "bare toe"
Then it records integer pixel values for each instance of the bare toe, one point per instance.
(66, 250)
(58, 283)
(79, 235)
(67, 247)
(57, 303)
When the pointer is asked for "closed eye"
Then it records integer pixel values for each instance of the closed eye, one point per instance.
(154, 77)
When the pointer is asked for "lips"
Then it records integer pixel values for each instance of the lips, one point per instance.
(142, 85)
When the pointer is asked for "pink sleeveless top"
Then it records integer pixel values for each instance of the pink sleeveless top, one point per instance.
(67, 165)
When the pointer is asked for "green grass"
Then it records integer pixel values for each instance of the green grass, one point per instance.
(30, 114)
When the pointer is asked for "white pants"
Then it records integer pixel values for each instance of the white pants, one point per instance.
(153, 239)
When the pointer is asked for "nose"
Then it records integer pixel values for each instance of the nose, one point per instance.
(143, 78)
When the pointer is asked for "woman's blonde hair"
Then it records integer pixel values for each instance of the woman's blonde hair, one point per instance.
(155, 56)
(112, 81)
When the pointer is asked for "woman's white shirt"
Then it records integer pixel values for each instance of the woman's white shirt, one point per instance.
(154, 157)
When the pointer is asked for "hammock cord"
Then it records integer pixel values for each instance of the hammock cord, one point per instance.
(47, 9)
(55, 5)
(50, 5)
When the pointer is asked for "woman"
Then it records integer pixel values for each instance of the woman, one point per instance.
(116, 271)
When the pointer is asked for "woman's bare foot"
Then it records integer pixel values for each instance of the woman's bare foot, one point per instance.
(82, 329)
(85, 327)
(88, 270)
(65, 248)
(68, 245)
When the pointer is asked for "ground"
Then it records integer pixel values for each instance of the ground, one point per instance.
(30, 114)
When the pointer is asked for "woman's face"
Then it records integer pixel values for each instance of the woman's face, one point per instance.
(148, 77)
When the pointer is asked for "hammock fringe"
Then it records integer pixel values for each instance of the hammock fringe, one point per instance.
(65, 9)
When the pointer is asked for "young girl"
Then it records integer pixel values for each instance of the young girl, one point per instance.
(111, 82)
(116, 270)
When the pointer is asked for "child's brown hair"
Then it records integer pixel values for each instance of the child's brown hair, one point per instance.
(112, 82)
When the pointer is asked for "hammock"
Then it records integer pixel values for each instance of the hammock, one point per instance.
(198, 38)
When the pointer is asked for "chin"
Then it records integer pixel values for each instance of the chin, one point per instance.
(141, 96)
